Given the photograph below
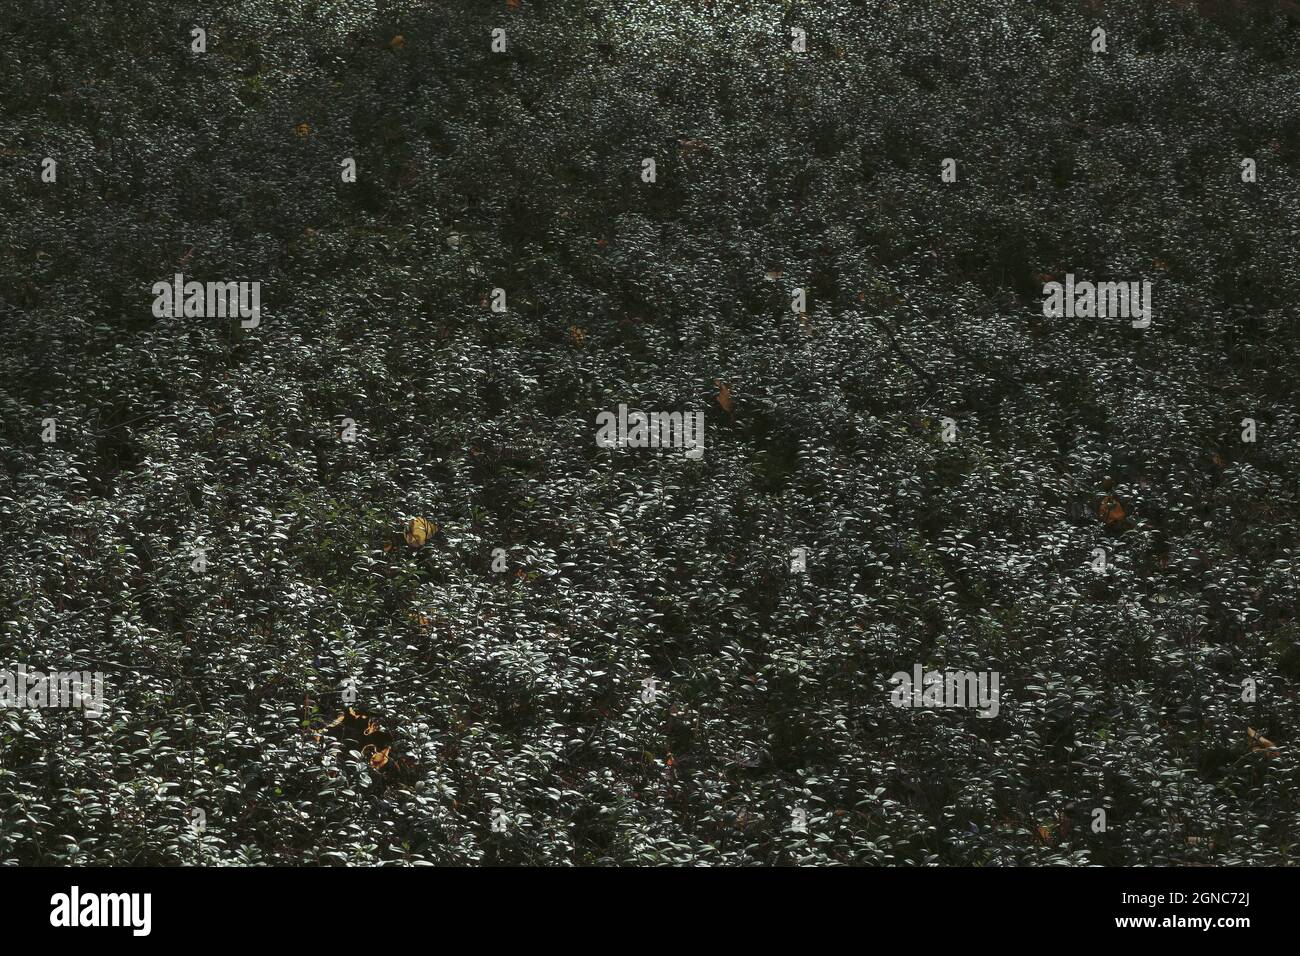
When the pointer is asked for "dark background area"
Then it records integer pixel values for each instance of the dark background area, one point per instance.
(522, 690)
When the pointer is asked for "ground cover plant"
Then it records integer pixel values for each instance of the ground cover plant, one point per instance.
(366, 589)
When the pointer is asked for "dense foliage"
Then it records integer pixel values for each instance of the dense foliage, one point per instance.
(521, 692)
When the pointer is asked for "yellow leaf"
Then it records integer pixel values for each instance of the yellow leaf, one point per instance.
(379, 758)
(419, 530)
(1259, 742)
(303, 130)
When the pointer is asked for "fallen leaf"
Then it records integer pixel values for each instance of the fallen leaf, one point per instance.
(419, 530)
(397, 42)
(1259, 742)
(724, 395)
(577, 334)
(1111, 511)
(379, 758)
(303, 130)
